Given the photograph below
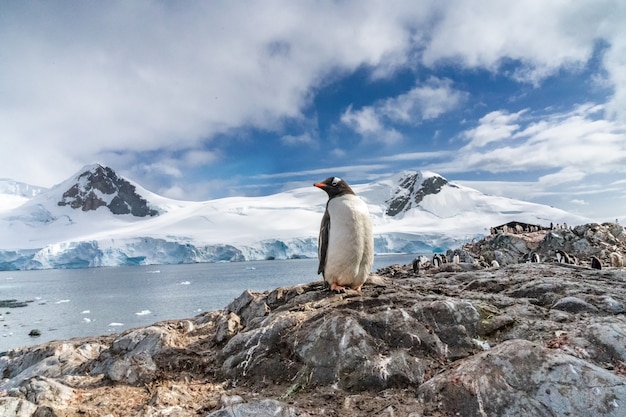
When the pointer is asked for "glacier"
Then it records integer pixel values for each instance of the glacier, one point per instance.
(75, 224)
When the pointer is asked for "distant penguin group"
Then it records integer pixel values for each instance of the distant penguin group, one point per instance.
(532, 257)
(439, 260)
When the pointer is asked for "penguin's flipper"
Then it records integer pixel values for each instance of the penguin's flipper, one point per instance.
(322, 242)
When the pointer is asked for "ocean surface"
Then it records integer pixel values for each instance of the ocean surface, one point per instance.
(62, 304)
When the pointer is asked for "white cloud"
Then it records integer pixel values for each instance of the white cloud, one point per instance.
(80, 80)
(354, 170)
(414, 156)
(493, 127)
(161, 168)
(423, 102)
(85, 81)
(567, 174)
(365, 121)
(579, 202)
(196, 158)
(303, 139)
(575, 141)
(543, 36)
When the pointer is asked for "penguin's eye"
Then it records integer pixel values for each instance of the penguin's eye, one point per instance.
(335, 181)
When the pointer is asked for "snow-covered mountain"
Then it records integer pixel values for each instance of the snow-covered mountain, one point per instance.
(97, 218)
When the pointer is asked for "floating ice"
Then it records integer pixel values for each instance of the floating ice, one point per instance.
(116, 324)
(143, 313)
(185, 282)
(85, 312)
(62, 301)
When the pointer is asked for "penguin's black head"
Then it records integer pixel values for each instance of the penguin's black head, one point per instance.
(334, 187)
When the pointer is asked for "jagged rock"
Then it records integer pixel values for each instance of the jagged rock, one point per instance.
(16, 407)
(582, 242)
(523, 378)
(459, 342)
(573, 305)
(256, 409)
(228, 327)
(39, 390)
(130, 358)
(51, 360)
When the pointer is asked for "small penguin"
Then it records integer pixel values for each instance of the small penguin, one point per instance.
(416, 265)
(563, 257)
(345, 243)
(595, 263)
(616, 259)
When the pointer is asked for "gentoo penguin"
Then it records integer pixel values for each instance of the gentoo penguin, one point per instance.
(563, 257)
(595, 263)
(616, 259)
(345, 244)
(416, 265)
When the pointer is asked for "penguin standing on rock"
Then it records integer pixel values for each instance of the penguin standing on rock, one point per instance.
(345, 244)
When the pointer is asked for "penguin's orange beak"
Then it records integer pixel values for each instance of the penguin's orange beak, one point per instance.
(319, 185)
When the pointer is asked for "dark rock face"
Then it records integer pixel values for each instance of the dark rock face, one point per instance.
(527, 339)
(411, 192)
(122, 194)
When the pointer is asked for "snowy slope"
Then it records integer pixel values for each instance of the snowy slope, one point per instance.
(13, 193)
(73, 224)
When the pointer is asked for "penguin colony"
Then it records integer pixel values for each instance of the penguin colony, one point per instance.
(345, 243)
(421, 263)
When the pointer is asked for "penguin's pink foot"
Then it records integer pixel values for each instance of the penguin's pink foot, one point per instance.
(336, 287)
(358, 289)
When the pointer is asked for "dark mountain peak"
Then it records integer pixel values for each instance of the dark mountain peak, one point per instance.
(411, 189)
(99, 186)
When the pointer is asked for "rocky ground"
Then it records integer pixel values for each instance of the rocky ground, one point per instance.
(536, 339)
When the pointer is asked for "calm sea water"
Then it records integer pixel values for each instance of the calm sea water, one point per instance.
(98, 301)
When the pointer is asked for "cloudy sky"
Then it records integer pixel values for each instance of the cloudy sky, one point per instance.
(198, 100)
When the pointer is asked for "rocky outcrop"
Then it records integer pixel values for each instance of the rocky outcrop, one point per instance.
(526, 339)
(581, 243)
(101, 187)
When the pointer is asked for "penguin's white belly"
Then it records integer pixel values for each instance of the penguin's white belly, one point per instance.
(350, 242)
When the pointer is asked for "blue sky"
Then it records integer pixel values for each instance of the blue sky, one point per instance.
(199, 100)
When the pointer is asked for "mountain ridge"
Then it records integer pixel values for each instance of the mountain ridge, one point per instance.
(72, 224)
(97, 184)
